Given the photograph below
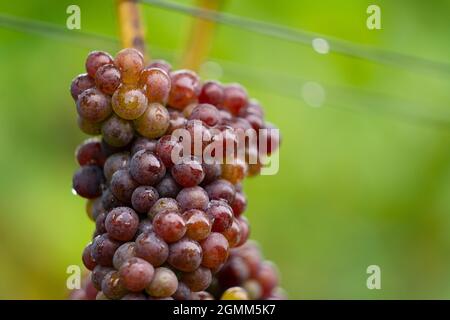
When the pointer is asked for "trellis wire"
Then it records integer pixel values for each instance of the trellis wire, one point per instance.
(303, 37)
(89, 40)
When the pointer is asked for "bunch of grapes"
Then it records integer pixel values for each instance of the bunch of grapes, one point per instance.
(166, 227)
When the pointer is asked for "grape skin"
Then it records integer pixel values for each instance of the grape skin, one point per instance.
(87, 182)
(81, 83)
(129, 102)
(170, 226)
(164, 283)
(117, 132)
(107, 79)
(193, 198)
(215, 250)
(103, 248)
(123, 185)
(198, 280)
(185, 255)
(136, 274)
(93, 105)
(143, 198)
(123, 253)
(121, 223)
(154, 122)
(146, 168)
(95, 60)
(115, 163)
(130, 62)
(152, 248)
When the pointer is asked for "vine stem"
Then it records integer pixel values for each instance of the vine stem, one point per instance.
(200, 38)
(130, 25)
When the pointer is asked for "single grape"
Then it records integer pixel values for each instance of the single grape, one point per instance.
(212, 172)
(183, 292)
(185, 255)
(95, 60)
(107, 78)
(164, 148)
(154, 122)
(206, 113)
(193, 198)
(233, 233)
(168, 187)
(267, 277)
(164, 283)
(103, 248)
(235, 98)
(152, 248)
(201, 295)
(87, 182)
(130, 62)
(245, 230)
(198, 224)
(164, 205)
(136, 274)
(129, 102)
(145, 226)
(239, 204)
(87, 127)
(123, 253)
(234, 171)
(215, 250)
(188, 173)
(161, 64)
(143, 198)
(235, 293)
(112, 286)
(142, 143)
(200, 136)
(117, 132)
(87, 258)
(170, 226)
(212, 92)
(251, 256)
(185, 88)
(156, 83)
(233, 273)
(198, 280)
(123, 185)
(134, 296)
(93, 105)
(81, 83)
(98, 274)
(109, 201)
(122, 223)
(146, 168)
(221, 189)
(220, 214)
(115, 162)
(90, 152)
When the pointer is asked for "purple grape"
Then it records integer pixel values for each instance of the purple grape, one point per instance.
(152, 248)
(163, 205)
(117, 131)
(112, 286)
(103, 248)
(123, 185)
(143, 198)
(168, 187)
(136, 274)
(183, 292)
(109, 201)
(215, 250)
(97, 275)
(170, 226)
(188, 173)
(221, 214)
(221, 189)
(193, 198)
(185, 255)
(146, 168)
(87, 182)
(87, 258)
(114, 163)
(142, 143)
(122, 223)
(90, 153)
(123, 253)
(81, 83)
(198, 280)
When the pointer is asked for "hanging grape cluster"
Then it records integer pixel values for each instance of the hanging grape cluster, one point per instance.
(166, 229)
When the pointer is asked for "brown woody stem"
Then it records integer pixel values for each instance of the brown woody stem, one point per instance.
(131, 29)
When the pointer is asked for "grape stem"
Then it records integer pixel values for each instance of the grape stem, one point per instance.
(201, 36)
(131, 29)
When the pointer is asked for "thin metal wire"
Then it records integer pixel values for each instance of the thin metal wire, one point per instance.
(281, 84)
(303, 37)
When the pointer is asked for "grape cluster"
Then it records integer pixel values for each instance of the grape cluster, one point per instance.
(165, 229)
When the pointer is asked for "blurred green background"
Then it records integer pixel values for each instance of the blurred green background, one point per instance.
(361, 180)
